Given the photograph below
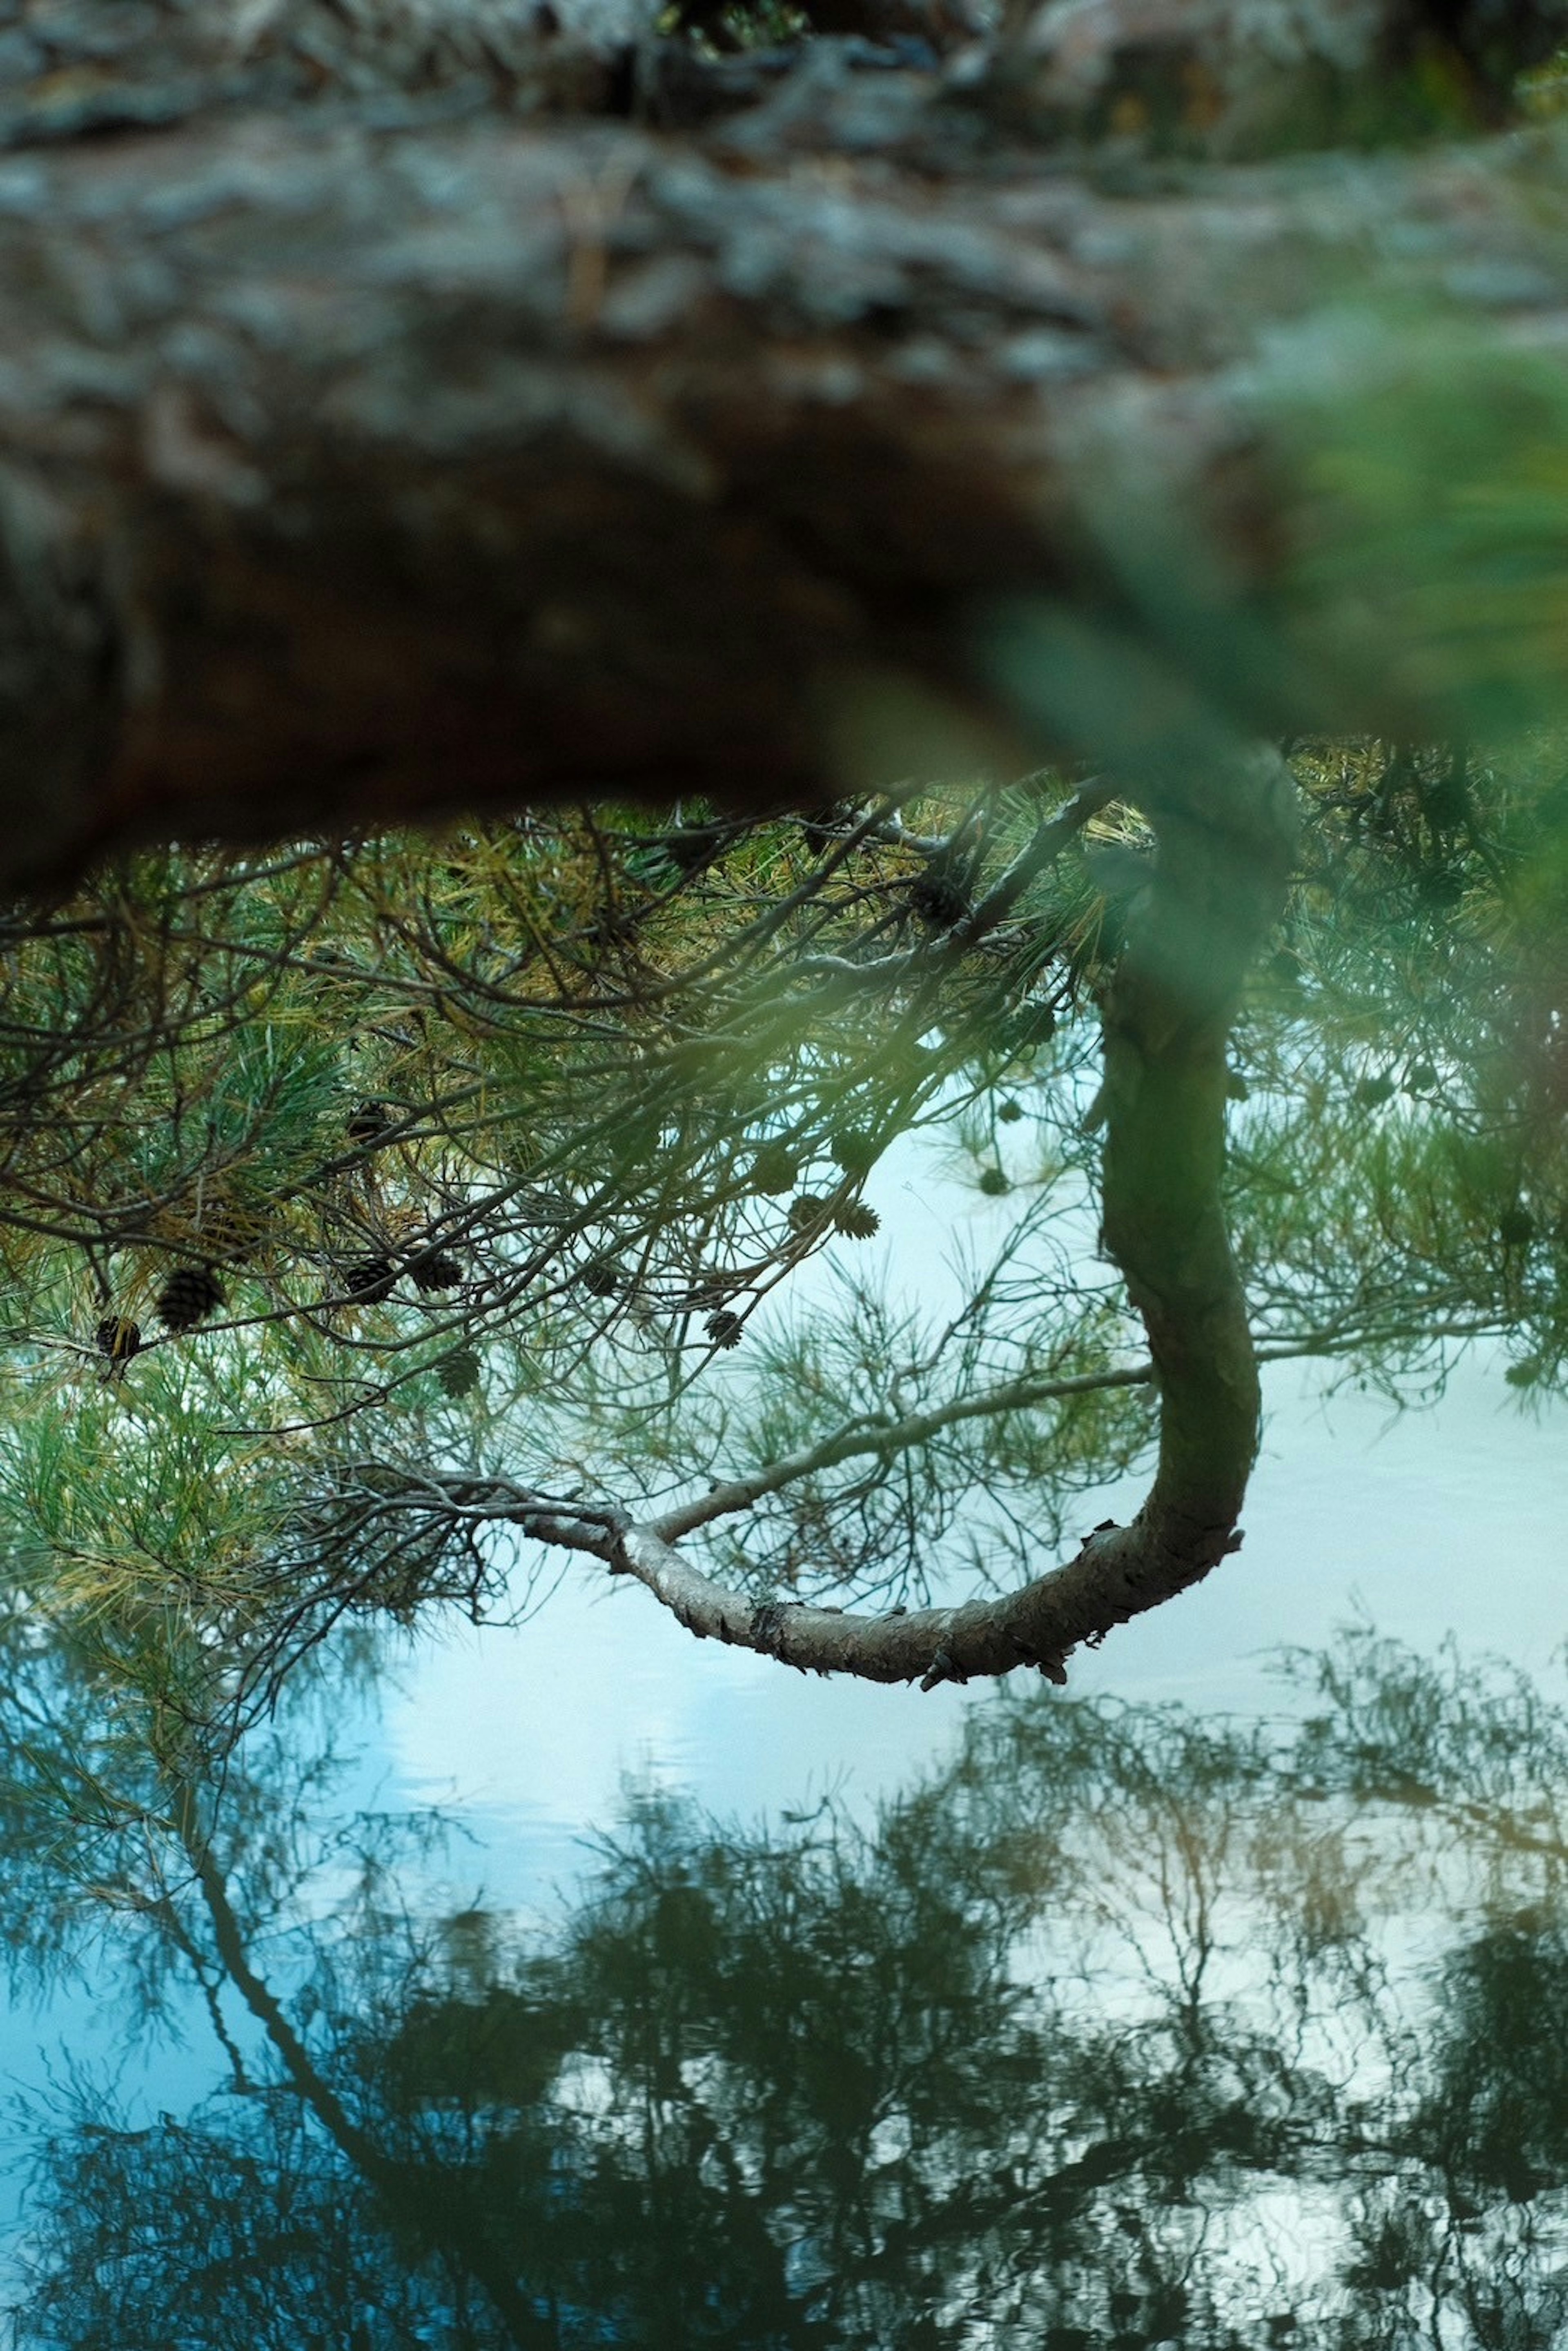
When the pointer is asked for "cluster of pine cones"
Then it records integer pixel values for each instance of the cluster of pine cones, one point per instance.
(192, 1294)
(189, 1295)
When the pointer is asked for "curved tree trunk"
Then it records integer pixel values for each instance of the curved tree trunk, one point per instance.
(1226, 827)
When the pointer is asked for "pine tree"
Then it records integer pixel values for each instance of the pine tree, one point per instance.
(608, 1168)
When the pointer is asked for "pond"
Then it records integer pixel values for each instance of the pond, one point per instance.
(579, 1983)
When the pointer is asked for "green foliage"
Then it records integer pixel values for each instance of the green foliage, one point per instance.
(509, 1152)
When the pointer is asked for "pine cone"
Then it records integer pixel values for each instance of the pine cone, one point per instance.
(604, 1278)
(774, 1169)
(808, 1214)
(858, 1222)
(367, 1121)
(935, 900)
(994, 1183)
(723, 1330)
(1030, 1025)
(191, 1294)
(370, 1280)
(855, 1151)
(119, 1340)
(435, 1270)
(457, 1374)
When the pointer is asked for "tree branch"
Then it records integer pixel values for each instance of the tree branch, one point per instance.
(1225, 840)
(982, 1637)
(1225, 837)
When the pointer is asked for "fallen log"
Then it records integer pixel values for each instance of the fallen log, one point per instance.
(359, 462)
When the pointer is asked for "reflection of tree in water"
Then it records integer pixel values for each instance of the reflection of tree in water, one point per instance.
(1128, 2030)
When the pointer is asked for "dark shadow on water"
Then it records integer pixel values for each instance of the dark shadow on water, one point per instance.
(1126, 2029)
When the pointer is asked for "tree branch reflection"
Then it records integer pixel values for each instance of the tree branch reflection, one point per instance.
(1128, 2027)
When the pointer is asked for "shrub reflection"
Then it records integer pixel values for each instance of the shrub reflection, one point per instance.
(1126, 2029)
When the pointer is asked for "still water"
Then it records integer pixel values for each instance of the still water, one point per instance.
(1424, 1524)
(584, 1985)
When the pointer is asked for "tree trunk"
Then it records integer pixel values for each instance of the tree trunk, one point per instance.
(360, 465)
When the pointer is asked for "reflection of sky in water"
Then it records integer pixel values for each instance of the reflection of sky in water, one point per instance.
(1426, 1523)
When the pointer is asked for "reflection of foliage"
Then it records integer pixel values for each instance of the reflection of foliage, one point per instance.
(497, 1145)
(1498, 2116)
(1125, 2028)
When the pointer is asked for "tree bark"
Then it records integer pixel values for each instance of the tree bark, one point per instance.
(359, 467)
